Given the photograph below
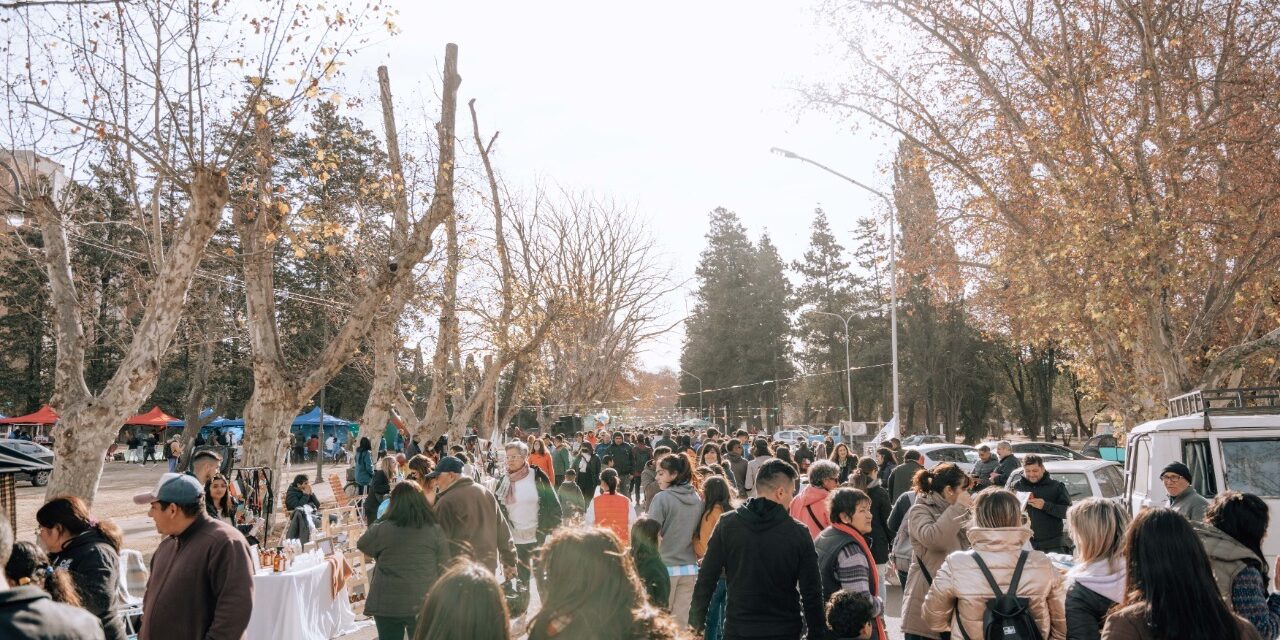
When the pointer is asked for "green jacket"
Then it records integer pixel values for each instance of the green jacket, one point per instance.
(560, 460)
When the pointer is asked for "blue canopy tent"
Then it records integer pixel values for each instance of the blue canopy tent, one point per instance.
(226, 424)
(308, 424)
(203, 414)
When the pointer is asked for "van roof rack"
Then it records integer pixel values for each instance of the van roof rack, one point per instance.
(1226, 402)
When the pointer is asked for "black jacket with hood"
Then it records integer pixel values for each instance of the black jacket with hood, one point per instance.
(95, 568)
(764, 554)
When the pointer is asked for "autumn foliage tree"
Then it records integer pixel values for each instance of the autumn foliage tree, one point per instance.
(1113, 167)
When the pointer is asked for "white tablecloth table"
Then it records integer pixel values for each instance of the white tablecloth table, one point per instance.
(295, 605)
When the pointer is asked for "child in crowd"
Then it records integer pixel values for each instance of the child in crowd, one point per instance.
(573, 503)
(648, 561)
(849, 615)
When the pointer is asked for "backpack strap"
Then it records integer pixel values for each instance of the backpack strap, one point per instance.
(1017, 573)
(813, 515)
(991, 580)
(927, 578)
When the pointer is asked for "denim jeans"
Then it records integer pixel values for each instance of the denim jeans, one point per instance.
(715, 611)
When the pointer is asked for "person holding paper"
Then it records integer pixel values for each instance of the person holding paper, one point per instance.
(1047, 505)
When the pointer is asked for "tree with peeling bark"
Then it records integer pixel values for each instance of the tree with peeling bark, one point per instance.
(527, 310)
(281, 390)
(1111, 169)
(153, 87)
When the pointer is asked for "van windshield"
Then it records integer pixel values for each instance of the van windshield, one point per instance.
(1252, 465)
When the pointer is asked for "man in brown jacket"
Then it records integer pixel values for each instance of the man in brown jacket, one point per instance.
(201, 582)
(471, 518)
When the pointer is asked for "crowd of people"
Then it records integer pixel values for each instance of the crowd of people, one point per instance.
(668, 534)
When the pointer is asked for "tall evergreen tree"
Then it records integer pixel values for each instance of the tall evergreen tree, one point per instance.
(828, 286)
(738, 330)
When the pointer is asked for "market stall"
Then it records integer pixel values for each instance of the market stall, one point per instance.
(305, 602)
(36, 426)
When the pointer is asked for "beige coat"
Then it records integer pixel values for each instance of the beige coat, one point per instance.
(936, 528)
(960, 592)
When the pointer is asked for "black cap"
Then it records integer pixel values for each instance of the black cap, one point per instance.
(1178, 468)
(448, 464)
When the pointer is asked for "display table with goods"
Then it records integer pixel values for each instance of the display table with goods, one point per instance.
(300, 597)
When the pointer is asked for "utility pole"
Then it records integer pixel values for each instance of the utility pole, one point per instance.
(699, 390)
(848, 368)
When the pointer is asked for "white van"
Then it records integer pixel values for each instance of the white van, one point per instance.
(1229, 438)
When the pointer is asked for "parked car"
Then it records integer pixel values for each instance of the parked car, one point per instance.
(917, 440)
(963, 455)
(1084, 478)
(37, 476)
(790, 437)
(1043, 449)
(1104, 446)
(1234, 445)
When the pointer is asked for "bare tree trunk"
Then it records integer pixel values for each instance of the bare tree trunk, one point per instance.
(436, 418)
(197, 390)
(385, 387)
(90, 423)
(277, 394)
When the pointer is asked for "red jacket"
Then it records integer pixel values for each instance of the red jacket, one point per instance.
(810, 508)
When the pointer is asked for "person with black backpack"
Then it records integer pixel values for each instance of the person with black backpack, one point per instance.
(998, 590)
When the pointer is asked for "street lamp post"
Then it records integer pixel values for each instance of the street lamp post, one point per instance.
(893, 260)
(699, 390)
(848, 368)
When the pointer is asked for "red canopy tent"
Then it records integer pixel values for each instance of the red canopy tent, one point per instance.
(153, 418)
(45, 417)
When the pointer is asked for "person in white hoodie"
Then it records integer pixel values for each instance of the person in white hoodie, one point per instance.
(1097, 581)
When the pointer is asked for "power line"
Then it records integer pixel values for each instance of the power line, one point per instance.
(694, 393)
(226, 279)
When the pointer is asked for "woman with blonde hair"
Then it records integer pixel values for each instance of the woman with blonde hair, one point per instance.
(1096, 582)
(998, 564)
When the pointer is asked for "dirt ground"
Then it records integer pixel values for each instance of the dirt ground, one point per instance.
(120, 482)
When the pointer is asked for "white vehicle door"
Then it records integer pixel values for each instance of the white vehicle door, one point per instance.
(1138, 472)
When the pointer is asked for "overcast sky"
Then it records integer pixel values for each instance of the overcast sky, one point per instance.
(670, 107)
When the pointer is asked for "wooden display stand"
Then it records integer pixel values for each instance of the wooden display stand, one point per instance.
(358, 583)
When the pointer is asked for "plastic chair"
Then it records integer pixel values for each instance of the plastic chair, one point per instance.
(133, 577)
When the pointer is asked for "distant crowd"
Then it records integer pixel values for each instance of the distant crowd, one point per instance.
(643, 533)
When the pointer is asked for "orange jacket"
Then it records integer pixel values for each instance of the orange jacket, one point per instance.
(543, 461)
(613, 511)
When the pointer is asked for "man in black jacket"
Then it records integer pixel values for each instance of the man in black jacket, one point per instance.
(28, 612)
(640, 456)
(764, 554)
(623, 459)
(1047, 505)
(904, 474)
(1008, 462)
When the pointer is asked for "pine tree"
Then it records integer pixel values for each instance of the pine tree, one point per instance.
(738, 330)
(828, 286)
